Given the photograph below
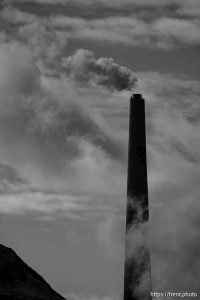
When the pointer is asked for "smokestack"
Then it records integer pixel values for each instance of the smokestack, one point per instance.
(137, 261)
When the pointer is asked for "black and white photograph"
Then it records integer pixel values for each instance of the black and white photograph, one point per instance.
(99, 149)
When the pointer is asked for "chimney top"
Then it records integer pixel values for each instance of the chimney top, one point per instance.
(136, 97)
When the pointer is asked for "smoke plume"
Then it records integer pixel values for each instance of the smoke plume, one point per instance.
(84, 68)
(137, 256)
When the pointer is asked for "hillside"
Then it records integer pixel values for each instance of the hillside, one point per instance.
(19, 282)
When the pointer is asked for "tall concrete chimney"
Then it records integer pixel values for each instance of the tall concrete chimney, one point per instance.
(137, 260)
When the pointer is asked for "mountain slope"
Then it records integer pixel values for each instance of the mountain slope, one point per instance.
(19, 282)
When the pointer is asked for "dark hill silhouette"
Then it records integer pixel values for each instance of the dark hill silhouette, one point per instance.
(19, 282)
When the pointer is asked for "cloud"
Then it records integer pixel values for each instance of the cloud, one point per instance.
(43, 204)
(177, 30)
(52, 133)
(172, 265)
(8, 173)
(123, 30)
(189, 9)
(89, 2)
(47, 44)
(16, 16)
(10, 180)
(48, 112)
(18, 70)
(163, 32)
(174, 8)
(37, 202)
(110, 236)
(176, 239)
(144, 8)
(140, 3)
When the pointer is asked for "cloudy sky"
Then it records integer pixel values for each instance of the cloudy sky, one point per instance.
(67, 70)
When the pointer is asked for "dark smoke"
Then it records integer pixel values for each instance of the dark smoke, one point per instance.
(84, 68)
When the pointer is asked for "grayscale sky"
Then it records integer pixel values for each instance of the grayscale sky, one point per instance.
(67, 70)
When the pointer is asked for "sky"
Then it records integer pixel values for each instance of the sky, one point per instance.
(67, 71)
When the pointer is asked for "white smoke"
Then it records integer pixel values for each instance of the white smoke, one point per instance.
(137, 253)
